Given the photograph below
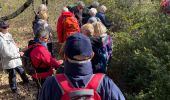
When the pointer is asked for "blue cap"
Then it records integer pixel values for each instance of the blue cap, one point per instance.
(78, 44)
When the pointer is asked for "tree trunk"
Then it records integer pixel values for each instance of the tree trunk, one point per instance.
(18, 11)
(45, 2)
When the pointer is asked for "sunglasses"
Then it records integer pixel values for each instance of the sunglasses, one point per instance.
(4, 27)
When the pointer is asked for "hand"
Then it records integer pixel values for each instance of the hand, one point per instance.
(60, 62)
(21, 53)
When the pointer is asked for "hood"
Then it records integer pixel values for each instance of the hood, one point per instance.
(69, 14)
(75, 69)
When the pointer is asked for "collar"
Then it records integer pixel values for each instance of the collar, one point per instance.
(78, 69)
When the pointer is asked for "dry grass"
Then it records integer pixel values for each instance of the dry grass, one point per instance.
(21, 29)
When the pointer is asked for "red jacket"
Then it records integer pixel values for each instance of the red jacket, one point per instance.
(60, 25)
(42, 59)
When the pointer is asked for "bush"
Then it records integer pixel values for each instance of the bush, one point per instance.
(141, 49)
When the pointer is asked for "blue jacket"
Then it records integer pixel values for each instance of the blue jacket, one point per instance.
(102, 17)
(79, 75)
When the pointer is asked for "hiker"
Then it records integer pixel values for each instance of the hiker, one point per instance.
(165, 6)
(93, 17)
(41, 58)
(88, 30)
(78, 11)
(94, 4)
(10, 57)
(102, 46)
(102, 17)
(67, 25)
(78, 75)
(41, 21)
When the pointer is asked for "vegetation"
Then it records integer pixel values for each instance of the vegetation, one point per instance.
(141, 47)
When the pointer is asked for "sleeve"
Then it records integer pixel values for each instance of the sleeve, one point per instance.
(50, 90)
(48, 59)
(102, 17)
(59, 29)
(6, 51)
(108, 90)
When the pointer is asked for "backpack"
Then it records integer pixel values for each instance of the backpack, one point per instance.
(87, 93)
(165, 6)
(102, 55)
(26, 60)
(70, 26)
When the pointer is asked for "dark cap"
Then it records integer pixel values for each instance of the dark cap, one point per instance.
(3, 24)
(78, 44)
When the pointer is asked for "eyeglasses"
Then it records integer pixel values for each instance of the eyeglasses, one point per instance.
(45, 37)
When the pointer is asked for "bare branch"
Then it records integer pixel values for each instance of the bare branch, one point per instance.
(18, 11)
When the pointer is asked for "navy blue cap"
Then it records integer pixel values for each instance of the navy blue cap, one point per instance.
(3, 24)
(78, 44)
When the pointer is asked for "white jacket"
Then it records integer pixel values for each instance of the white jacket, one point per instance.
(9, 52)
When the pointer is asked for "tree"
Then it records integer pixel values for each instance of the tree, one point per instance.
(18, 11)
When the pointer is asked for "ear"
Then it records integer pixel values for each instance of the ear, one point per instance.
(92, 55)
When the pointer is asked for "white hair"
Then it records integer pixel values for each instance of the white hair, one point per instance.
(65, 9)
(102, 9)
(42, 7)
(93, 11)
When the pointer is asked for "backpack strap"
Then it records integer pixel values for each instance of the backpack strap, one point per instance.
(95, 81)
(64, 84)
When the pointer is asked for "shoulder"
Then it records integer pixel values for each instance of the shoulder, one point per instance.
(110, 90)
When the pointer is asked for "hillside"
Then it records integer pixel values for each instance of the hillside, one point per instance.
(21, 29)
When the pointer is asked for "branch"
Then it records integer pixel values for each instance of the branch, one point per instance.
(18, 11)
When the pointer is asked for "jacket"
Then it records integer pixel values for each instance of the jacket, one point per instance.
(60, 26)
(79, 75)
(9, 52)
(43, 62)
(103, 19)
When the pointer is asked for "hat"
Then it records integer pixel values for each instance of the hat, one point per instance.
(78, 44)
(3, 24)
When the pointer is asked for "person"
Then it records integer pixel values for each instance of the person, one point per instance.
(42, 22)
(63, 30)
(102, 46)
(78, 70)
(88, 30)
(42, 59)
(101, 15)
(93, 17)
(78, 11)
(10, 57)
(94, 4)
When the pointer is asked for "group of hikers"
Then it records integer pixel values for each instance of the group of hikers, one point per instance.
(85, 50)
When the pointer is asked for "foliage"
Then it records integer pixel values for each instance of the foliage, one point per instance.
(141, 49)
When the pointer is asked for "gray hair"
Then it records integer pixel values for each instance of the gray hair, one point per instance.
(42, 32)
(95, 4)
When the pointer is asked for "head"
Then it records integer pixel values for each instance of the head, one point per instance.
(78, 48)
(43, 15)
(95, 4)
(4, 26)
(43, 35)
(102, 9)
(99, 28)
(87, 29)
(80, 5)
(93, 11)
(65, 9)
(42, 8)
